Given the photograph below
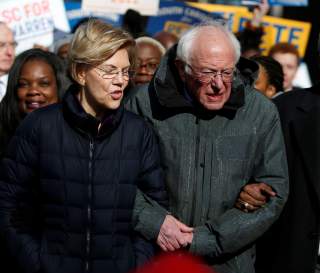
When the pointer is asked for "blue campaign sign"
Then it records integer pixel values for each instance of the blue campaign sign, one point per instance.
(177, 15)
(288, 2)
(75, 14)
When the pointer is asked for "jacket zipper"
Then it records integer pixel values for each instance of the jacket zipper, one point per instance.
(89, 210)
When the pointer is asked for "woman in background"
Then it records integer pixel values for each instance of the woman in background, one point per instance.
(35, 80)
(270, 77)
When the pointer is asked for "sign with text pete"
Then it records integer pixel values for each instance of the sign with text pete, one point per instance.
(275, 29)
(279, 30)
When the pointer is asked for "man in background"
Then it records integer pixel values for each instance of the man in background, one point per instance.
(7, 53)
(288, 56)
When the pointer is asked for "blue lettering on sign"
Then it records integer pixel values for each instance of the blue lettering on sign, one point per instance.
(230, 21)
(279, 29)
(33, 27)
(293, 35)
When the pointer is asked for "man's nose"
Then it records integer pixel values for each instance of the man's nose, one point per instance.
(217, 81)
(10, 50)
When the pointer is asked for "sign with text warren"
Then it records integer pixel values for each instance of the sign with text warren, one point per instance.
(33, 21)
(145, 7)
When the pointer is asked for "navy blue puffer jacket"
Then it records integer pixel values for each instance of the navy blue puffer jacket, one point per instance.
(67, 189)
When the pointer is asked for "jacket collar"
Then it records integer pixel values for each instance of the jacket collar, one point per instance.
(169, 88)
(84, 122)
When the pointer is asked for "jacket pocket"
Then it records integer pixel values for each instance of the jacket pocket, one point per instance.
(238, 147)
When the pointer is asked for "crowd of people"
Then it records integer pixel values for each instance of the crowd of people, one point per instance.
(116, 147)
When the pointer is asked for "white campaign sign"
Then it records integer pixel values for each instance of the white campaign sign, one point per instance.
(33, 21)
(145, 7)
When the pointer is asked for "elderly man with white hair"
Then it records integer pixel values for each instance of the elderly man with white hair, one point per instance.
(216, 133)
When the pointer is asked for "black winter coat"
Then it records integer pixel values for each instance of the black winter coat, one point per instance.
(291, 245)
(67, 190)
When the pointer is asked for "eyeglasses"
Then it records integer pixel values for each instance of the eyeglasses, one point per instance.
(209, 75)
(4, 45)
(150, 67)
(110, 72)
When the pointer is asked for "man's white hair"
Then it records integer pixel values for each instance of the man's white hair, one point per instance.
(151, 41)
(188, 40)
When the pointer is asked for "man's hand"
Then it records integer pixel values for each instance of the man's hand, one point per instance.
(253, 196)
(174, 234)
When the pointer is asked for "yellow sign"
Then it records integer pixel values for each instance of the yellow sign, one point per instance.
(278, 30)
(177, 28)
(275, 29)
(223, 9)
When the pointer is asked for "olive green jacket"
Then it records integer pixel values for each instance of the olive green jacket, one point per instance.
(207, 157)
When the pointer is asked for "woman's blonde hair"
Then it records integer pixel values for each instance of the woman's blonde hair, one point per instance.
(96, 41)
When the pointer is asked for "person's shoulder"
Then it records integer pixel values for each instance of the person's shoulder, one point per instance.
(256, 100)
(292, 99)
(42, 115)
(132, 117)
(139, 100)
(260, 111)
(134, 122)
(137, 92)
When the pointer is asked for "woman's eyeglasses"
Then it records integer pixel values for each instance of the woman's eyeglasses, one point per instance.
(110, 72)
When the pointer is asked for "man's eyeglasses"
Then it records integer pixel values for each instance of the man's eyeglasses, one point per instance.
(209, 75)
(150, 67)
(110, 72)
(4, 45)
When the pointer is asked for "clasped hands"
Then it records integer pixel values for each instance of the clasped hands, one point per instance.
(174, 234)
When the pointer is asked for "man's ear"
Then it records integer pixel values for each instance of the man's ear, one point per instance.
(180, 67)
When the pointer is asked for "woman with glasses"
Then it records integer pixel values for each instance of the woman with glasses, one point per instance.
(68, 184)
